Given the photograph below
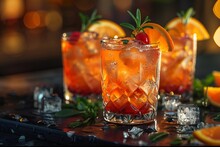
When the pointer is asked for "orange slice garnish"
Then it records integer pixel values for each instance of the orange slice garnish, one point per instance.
(216, 36)
(216, 9)
(157, 34)
(213, 94)
(209, 136)
(175, 26)
(107, 28)
(216, 75)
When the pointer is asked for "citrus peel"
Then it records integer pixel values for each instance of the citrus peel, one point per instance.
(157, 34)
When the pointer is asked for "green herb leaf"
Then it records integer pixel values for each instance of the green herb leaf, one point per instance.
(176, 142)
(198, 90)
(87, 109)
(138, 17)
(158, 136)
(64, 106)
(216, 117)
(185, 16)
(125, 41)
(87, 21)
(130, 26)
(138, 21)
(67, 113)
(75, 124)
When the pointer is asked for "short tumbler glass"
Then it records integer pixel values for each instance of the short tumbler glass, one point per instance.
(81, 64)
(130, 74)
(178, 67)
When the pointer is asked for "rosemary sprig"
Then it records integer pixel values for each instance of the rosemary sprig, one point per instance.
(86, 108)
(157, 136)
(86, 20)
(185, 15)
(138, 21)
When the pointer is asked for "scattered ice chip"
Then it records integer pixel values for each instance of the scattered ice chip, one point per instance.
(21, 139)
(135, 132)
(51, 104)
(188, 114)
(70, 133)
(186, 129)
(125, 134)
(205, 125)
(39, 93)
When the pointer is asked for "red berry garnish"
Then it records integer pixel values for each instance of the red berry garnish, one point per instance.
(74, 36)
(143, 37)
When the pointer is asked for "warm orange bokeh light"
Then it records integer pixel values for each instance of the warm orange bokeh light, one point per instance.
(34, 19)
(216, 11)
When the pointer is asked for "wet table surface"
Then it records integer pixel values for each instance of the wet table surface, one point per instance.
(21, 124)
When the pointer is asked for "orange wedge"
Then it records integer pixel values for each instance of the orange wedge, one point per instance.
(157, 34)
(216, 8)
(216, 75)
(216, 36)
(107, 28)
(175, 26)
(209, 136)
(213, 94)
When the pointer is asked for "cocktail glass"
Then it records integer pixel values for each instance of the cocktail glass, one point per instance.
(178, 67)
(81, 64)
(130, 72)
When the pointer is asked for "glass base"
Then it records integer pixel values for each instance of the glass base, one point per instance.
(128, 119)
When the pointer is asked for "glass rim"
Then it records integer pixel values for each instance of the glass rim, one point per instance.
(106, 41)
(68, 33)
(192, 36)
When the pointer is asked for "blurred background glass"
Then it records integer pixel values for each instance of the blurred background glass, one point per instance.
(30, 30)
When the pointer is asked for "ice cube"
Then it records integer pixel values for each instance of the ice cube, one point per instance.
(135, 132)
(188, 114)
(133, 58)
(39, 93)
(171, 102)
(51, 104)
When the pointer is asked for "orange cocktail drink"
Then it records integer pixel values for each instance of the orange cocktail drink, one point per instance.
(81, 63)
(178, 66)
(130, 80)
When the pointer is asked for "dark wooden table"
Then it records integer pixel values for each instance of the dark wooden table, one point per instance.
(16, 98)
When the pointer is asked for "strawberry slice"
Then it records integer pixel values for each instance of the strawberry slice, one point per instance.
(143, 37)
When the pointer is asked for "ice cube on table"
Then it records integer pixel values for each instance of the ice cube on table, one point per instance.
(188, 114)
(171, 102)
(39, 93)
(51, 104)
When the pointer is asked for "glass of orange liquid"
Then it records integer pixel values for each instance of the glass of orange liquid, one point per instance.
(130, 73)
(178, 67)
(81, 64)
